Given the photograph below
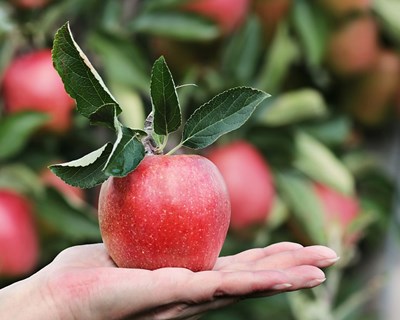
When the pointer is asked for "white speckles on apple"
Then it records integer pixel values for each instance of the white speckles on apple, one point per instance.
(178, 216)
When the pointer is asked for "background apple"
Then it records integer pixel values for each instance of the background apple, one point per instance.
(30, 4)
(18, 238)
(31, 83)
(171, 211)
(249, 181)
(228, 14)
(370, 97)
(339, 209)
(353, 47)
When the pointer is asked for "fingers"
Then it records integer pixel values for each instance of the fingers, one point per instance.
(318, 256)
(255, 254)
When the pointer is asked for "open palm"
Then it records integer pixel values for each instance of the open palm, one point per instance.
(84, 283)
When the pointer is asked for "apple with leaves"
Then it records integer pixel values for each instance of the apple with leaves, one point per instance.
(155, 210)
(249, 182)
(19, 249)
(353, 47)
(226, 13)
(31, 83)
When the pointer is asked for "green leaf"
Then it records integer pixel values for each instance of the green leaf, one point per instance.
(241, 55)
(127, 153)
(19, 177)
(312, 26)
(87, 171)
(282, 54)
(167, 112)
(16, 129)
(69, 221)
(123, 62)
(177, 25)
(292, 107)
(319, 163)
(81, 80)
(308, 211)
(225, 112)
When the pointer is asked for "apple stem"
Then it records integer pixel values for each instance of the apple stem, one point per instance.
(150, 145)
(173, 150)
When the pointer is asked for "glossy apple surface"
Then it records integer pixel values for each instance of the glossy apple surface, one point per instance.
(31, 83)
(171, 211)
(18, 238)
(227, 13)
(249, 181)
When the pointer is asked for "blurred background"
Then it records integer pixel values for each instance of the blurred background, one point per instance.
(317, 163)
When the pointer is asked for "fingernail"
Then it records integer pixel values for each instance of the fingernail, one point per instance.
(315, 282)
(330, 261)
(282, 286)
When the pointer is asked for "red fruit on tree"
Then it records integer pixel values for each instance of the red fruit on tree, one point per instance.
(18, 238)
(249, 182)
(171, 211)
(370, 97)
(339, 209)
(31, 83)
(228, 14)
(353, 47)
(30, 4)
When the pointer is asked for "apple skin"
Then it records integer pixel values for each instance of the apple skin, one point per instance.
(338, 209)
(227, 13)
(369, 99)
(19, 249)
(353, 47)
(30, 4)
(31, 83)
(171, 211)
(249, 182)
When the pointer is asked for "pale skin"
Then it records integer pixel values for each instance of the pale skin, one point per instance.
(83, 283)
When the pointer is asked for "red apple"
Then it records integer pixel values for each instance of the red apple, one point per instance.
(31, 83)
(370, 97)
(339, 209)
(74, 194)
(353, 47)
(343, 8)
(171, 211)
(18, 238)
(249, 181)
(228, 14)
(30, 4)
(271, 12)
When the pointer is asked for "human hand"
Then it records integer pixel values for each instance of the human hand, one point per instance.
(83, 283)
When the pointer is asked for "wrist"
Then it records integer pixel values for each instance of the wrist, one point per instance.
(26, 299)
